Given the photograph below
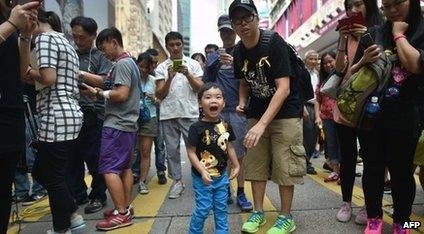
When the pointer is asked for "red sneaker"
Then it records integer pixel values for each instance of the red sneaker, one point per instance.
(332, 177)
(374, 226)
(108, 212)
(114, 221)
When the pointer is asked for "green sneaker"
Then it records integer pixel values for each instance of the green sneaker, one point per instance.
(256, 220)
(283, 225)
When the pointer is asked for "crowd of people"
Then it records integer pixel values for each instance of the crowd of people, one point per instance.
(238, 108)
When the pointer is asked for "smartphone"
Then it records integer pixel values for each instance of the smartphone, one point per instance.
(356, 18)
(176, 63)
(221, 50)
(367, 40)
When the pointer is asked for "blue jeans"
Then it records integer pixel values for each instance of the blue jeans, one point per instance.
(159, 148)
(331, 144)
(207, 197)
(22, 183)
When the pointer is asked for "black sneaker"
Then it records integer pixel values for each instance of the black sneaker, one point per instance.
(20, 198)
(33, 199)
(94, 206)
(161, 177)
(311, 170)
(136, 179)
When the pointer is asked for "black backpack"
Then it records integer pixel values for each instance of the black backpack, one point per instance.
(299, 72)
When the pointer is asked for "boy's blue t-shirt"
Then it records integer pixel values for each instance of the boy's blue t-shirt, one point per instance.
(211, 141)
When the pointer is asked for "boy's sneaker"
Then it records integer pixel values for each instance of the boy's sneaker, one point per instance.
(176, 190)
(161, 177)
(77, 222)
(115, 221)
(283, 225)
(107, 213)
(374, 226)
(361, 217)
(398, 229)
(254, 222)
(345, 212)
(142, 188)
(242, 201)
(33, 199)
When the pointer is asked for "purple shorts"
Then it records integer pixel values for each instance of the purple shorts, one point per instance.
(116, 150)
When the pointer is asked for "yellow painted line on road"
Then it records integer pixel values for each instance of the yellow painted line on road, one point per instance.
(358, 197)
(147, 205)
(36, 211)
(269, 208)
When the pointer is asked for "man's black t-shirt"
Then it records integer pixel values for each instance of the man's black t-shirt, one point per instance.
(211, 140)
(12, 123)
(261, 73)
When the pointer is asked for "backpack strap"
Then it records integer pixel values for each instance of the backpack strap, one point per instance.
(264, 42)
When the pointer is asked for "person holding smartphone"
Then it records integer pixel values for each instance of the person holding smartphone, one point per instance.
(348, 44)
(14, 59)
(392, 142)
(179, 108)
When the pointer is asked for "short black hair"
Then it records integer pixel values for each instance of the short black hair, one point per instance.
(88, 24)
(147, 57)
(50, 18)
(210, 85)
(109, 34)
(153, 52)
(211, 46)
(173, 36)
(196, 55)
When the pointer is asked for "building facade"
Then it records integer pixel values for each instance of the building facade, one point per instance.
(132, 20)
(308, 24)
(184, 23)
(160, 16)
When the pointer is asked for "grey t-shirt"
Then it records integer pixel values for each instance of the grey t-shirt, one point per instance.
(124, 115)
(94, 62)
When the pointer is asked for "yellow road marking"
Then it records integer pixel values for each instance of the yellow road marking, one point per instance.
(36, 211)
(358, 197)
(269, 208)
(147, 205)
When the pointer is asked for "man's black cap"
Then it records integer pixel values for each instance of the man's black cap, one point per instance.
(246, 4)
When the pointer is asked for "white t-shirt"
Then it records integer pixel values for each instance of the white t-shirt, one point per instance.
(314, 82)
(181, 100)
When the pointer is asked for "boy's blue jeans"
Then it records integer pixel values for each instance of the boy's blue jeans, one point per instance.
(207, 197)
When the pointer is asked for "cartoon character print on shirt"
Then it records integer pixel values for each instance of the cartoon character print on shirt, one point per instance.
(218, 136)
(210, 162)
(258, 82)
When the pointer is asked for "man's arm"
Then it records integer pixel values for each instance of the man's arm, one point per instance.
(162, 85)
(119, 94)
(92, 79)
(194, 81)
(255, 133)
(243, 95)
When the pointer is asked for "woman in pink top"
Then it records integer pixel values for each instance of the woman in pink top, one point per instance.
(348, 44)
(324, 107)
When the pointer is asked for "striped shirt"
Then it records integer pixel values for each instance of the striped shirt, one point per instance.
(57, 105)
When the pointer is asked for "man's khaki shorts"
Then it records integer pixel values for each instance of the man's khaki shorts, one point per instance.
(279, 155)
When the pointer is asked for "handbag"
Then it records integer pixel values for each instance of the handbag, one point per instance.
(331, 85)
(144, 110)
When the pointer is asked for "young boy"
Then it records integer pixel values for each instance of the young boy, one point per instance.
(119, 129)
(210, 146)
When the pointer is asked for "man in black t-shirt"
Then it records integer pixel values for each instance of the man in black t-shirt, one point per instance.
(274, 110)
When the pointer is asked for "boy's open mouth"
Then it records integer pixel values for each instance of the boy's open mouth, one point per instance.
(213, 108)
